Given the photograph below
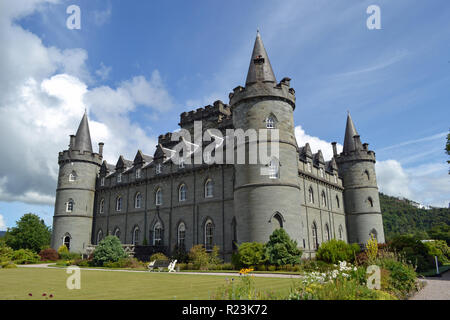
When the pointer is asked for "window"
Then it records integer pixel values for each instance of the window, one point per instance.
(321, 172)
(314, 236)
(182, 193)
(66, 241)
(119, 203)
(181, 164)
(367, 174)
(274, 169)
(270, 123)
(69, 205)
(277, 221)
(209, 188)
(102, 206)
(99, 236)
(335, 178)
(119, 177)
(341, 233)
(370, 201)
(158, 168)
(209, 230)
(138, 200)
(72, 176)
(181, 235)
(158, 197)
(311, 195)
(135, 235)
(337, 202)
(157, 234)
(102, 181)
(327, 233)
(117, 232)
(308, 165)
(324, 199)
(138, 173)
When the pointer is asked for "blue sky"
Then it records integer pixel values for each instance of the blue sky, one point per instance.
(137, 65)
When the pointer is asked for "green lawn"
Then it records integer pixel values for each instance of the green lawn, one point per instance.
(18, 283)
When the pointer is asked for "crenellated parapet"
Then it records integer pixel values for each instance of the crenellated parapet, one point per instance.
(217, 115)
(82, 156)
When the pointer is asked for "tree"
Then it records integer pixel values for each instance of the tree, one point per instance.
(30, 233)
(281, 249)
(251, 253)
(108, 250)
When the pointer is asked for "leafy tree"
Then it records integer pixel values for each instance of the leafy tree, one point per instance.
(281, 249)
(251, 254)
(30, 233)
(108, 250)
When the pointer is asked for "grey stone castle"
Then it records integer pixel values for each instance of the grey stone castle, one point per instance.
(159, 204)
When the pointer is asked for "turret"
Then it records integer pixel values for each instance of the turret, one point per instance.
(260, 203)
(362, 205)
(74, 204)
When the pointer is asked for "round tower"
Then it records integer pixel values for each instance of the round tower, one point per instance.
(266, 194)
(356, 166)
(74, 204)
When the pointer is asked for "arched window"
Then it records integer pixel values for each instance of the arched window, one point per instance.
(270, 122)
(181, 235)
(138, 200)
(311, 195)
(102, 181)
(119, 177)
(337, 202)
(102, 205)
(327, 232)
(341, 233)
(99, 236)
(69, 205)
(274, 169)
(158, 197)
(138, 173)
(315, 238)
(72, 176)
(370, 201)
(277, 221)
(158, 168)
(66, 241)
(182, 193)
(135, 235)
(209, 232)
(367, 174)
(209, 188)
(157, 234)
(117, 232)
(324, 199)
(119, 203)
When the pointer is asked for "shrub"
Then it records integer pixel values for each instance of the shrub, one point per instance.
(281, 249)
(412, 251)
(7, 265)
(402, 277)
(5, 252)
(251, 254)
(24, 256)
(439, 249)
(108, 250)
(180, 254)
(315, 265)
(372, 249)
(334, 251)
(158, 256)
(49, 254)
(199, 257)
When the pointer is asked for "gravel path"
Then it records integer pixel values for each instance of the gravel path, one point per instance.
(437, 288)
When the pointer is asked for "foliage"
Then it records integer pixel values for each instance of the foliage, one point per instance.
(30, 233)
(281, 249)
(108, 250)
(250, 254)
(371, 249)
(7, 265)
(123, 263)
(202, 260)
(158, 256)
(413, 251)
(439, 249)
(65, 254)
(334, 251)
(180, 254)
(49, 254)
(5, 252)
(24, 256)
(402, 277)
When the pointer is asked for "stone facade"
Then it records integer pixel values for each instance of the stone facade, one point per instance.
(155, 202)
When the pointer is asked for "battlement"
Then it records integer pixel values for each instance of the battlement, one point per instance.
(281, 90)
(216, 112)
(358, 155)
(76, 155)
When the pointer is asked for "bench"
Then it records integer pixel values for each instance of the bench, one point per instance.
(162, 264)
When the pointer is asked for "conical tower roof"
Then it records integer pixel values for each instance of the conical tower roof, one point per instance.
(350, 132)
(83, 136)
(260, 69)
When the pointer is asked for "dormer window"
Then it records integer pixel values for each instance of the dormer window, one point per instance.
(321, 173)
(158, 168)
(270, 123)
(138, 173)
(119, 177)
(308, 165)
(181, 164)
(335, 178)
(102, 181)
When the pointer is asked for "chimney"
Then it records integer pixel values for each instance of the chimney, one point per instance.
(72, 141)
(334, 148)
(366, 146)
(100, 148)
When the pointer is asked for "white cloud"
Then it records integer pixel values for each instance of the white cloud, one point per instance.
(392, 179)
(103, 72)
(315, 143)
(2, 223)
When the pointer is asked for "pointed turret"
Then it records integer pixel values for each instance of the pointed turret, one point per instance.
(83, 136)
(260, 69)
(351, 140)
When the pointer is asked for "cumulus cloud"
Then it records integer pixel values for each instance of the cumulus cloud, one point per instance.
(315, 143)
(2, 223)
(392, 179)
(43, 94)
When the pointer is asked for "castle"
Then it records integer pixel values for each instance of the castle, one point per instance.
(159, 204)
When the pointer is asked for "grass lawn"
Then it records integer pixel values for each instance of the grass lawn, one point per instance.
(18, 283)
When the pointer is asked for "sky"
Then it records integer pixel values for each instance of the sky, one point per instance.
(135, 66)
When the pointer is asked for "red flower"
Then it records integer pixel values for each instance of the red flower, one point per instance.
(30, 294)
(44, 294)
(51, 296)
